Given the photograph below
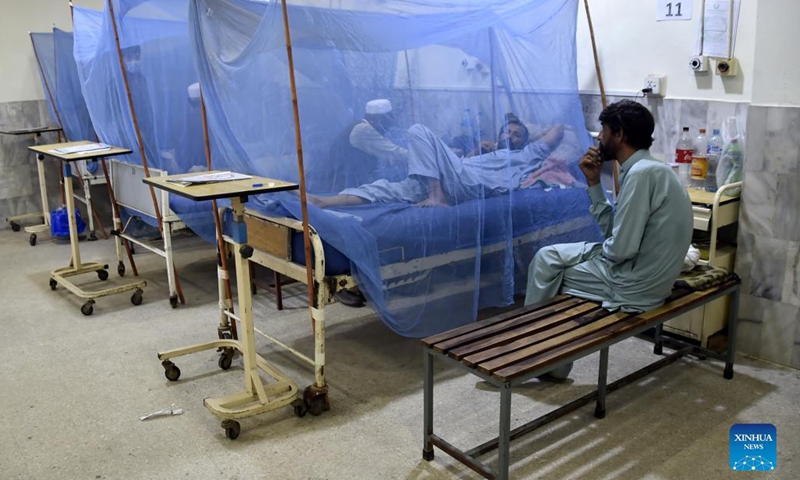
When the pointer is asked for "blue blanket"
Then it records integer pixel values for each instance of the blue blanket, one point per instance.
(360, 240)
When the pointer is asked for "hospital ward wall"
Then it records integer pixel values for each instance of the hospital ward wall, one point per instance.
(769, 238)
(765, 98)
(22, 101)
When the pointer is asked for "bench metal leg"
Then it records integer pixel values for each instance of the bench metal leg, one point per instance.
(733, 323)
(504, 440)
(427, 448)
(600, 409)
(658, 343)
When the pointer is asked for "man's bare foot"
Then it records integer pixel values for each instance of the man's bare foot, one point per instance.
(433, 202)
(436, 197)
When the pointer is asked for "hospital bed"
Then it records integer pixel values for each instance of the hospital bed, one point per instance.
(134, 196)
(277, 245)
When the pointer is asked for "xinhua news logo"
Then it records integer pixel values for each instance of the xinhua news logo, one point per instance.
(754, 447)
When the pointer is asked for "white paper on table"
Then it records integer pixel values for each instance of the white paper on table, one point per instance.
(210, 178)
(717, 28)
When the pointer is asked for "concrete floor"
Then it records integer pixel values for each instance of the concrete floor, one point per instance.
(73, 388)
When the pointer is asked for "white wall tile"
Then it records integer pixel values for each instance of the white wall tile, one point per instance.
(791, 282)
(778, 332)
(782, 146)
(748, 338)
(759, 203)
(769, 267)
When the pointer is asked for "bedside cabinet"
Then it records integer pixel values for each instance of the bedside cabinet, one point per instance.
(711, 211)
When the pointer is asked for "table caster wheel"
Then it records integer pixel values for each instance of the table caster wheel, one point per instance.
(225, 359)
(171, 371)
(87, 309)
(299, 408)
(53, 284)
(33, 240)
(102, 275)
(232, 428)
(15, 226)
(173, 300)
(92, 237)
(136, 298)
(316, 400)
(121, 269)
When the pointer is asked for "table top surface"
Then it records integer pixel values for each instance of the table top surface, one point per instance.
(707, 198)
(5, 130)
(227, 189)
(46, 150)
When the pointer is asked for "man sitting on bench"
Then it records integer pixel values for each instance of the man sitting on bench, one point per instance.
(647, 234)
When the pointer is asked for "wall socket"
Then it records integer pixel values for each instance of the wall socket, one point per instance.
(656, 84)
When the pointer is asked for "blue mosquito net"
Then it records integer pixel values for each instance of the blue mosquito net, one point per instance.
(447, 77)
(155, 50)
(62, 87)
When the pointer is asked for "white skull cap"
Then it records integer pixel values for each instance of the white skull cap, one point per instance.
(379, 106)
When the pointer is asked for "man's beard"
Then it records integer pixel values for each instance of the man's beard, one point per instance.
(606, 154)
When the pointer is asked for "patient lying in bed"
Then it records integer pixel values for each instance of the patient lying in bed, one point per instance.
(437, 176)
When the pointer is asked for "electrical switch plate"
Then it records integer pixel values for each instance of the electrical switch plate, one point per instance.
(656, 84)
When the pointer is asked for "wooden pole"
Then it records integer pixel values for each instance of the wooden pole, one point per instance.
(603, 98)
(301, 169)
(139, 140)
(223, 259)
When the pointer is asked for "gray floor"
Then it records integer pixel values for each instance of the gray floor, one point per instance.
(73, 387)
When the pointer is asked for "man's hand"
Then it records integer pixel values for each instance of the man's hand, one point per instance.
(591, 165)
(553, 136)
(485, 146)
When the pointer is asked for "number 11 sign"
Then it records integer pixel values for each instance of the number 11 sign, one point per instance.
(674, 10)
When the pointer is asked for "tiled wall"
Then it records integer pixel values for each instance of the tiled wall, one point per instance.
(19, 183)
(768, 253)
(671, 116)
(769, 236)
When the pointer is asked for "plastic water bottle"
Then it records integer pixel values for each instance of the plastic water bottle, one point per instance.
(684, 151)
(713, 155)
(729, 169)
(699, 161)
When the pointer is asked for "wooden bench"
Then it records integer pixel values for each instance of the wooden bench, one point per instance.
(514, 347)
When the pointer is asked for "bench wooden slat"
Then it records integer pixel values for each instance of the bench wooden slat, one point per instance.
(530, 340)
(523, 330)
(495, 328)
(513, 358)
(597, 336)
(430, 341)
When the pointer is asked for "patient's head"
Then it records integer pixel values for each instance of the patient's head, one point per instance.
(513, 135)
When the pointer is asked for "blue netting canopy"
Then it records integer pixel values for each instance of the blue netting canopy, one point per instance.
(398, 100)
(154, 55)
(61, 84)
